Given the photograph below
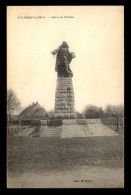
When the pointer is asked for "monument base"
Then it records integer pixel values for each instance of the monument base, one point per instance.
(72, 128)
(64, 99)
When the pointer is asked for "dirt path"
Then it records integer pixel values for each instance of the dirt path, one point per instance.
(79, 177)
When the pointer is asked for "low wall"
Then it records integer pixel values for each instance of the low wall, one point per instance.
(104, 121)
(80, 121)
(86, 121)
(69, 122)
(60, 122)
(65, 121)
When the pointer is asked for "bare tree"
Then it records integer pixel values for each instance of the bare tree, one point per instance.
(92, 111)
(116, 111)
(13, 103)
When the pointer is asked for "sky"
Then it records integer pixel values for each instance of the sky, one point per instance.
(94, 33)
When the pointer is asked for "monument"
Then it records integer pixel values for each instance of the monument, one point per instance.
(64, 96)
(69, 126)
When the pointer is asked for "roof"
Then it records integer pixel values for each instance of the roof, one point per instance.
(34, 111)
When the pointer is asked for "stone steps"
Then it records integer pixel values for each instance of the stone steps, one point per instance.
(101, 130)
(46, 131)
(25, 132)
(68, 131)
(87, 130)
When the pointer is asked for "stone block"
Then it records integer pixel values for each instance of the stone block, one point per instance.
(59, 95)
(69, 88)
(58, 99)
(72, 109)
(98, 120)
(56, 115)
(55, 122)
(67, 100)
(61, 115)
(94, 120)
(64, 111)
(71, 104)
(71, 92)
(67, 115)
(63, 103)
(58, 103)
(58, 92)
(35, 122)
(57, 111)
(66, 107)
(65, 91)
(61, 107)
(63, 95)
(64, 81)
(73, 115)
(91, 120)
(57, 107)
(70, 96)
(64, 87)
(69, 122)
(43, 122)
(81, 121)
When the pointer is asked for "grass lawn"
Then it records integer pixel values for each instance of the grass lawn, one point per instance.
(40, 155)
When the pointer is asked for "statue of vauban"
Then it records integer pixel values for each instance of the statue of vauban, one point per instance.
(63, 59)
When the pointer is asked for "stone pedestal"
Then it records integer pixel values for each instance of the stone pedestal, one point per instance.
(64, 99)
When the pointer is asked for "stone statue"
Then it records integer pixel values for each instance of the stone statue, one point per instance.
(63, 59)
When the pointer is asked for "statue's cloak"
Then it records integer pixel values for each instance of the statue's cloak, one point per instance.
(63, 58)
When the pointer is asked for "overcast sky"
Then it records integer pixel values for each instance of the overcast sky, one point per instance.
(94, 33)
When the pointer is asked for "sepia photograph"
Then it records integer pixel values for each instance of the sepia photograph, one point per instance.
(65, 97)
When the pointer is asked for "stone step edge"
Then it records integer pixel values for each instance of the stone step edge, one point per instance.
(52, 132)
(67, 121)
(80, 121)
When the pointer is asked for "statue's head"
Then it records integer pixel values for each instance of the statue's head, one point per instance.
(65, 44)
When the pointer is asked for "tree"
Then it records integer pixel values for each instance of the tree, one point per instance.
(51, 113)
(116, 111)
(92, 111)
(13, 103)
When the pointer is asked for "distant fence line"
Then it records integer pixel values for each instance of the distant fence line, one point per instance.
(105, 121)
(112, 121)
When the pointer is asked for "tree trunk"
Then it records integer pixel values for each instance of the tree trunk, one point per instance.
(118, 123)
(9, 116)
(7, 124)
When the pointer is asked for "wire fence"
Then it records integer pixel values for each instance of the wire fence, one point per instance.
(112, 121)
